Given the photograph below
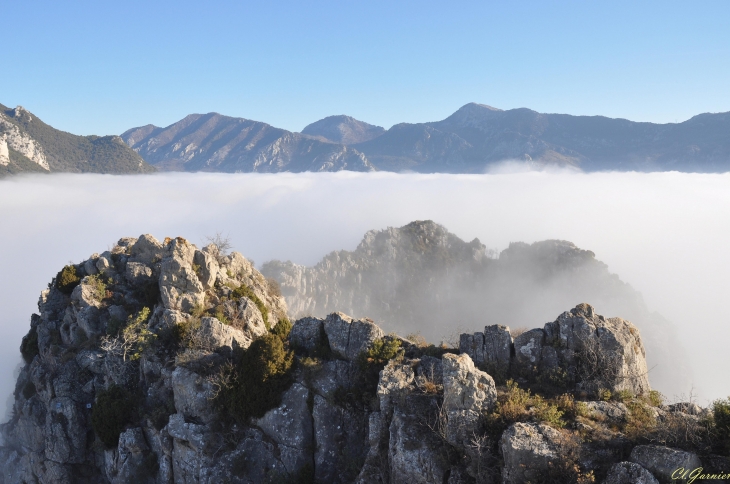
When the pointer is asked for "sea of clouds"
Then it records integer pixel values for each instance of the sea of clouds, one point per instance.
(667, 234)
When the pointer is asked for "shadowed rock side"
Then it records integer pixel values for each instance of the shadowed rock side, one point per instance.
(135, 354)
(211, 142)
(422, 279)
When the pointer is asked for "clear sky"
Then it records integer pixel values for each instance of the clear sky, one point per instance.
(100, 67)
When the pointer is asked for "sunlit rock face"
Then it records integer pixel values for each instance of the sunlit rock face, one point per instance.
(159, 326)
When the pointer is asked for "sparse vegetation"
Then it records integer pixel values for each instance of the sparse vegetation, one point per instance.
(29, 345)
(282, 328)
(369, 364)
(245, 291)
(131, 340)
(67, 279)
(721, 420)
(113, 410)
(254, 381)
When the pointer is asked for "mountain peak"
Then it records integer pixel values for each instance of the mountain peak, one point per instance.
(343, 129)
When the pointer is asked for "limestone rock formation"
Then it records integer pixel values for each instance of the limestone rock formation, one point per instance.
(135, 353)
(420, 278)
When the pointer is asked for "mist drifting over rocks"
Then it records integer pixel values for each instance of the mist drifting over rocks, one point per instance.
(663, 233)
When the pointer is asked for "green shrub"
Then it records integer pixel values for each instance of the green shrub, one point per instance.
(245, 291)
(547, 412)
(282, 328)
(29, 345)
(253, 384)
(67, 279)
(721, 417)
(98, 285)
(137, 337)
(370, 362)
(113, 410)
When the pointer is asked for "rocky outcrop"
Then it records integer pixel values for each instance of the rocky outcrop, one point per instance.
(593, 352)
(420, 278)
(129, 361)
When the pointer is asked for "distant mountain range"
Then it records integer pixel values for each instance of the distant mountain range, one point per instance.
(27, 144)
(469, 141)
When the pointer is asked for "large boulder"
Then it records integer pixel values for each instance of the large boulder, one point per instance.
(665, 462)
(629, 473)
(491, 349)
(214, 334)
(180, 287)
(599, 352)
(349, 337)
(193, 394)
(467, 393)
(528, 449)
(290, 426)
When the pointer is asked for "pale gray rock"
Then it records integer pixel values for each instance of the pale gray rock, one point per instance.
(396, 379)
(467, 393)
(629, 473)
(146, 250)
(662, 461)
(138, 273)
(528, 350)
(497, 346)
(214, 335)
(414, 454)
(179, 285)
(90, 265)
(307, 333)
(84, 295)
(348, 337)
(611, 349)
(104, 262)
(208, 268)
(610, 411)
(527, 450)
(193, 394)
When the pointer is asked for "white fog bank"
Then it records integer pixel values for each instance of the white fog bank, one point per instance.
(667, 234)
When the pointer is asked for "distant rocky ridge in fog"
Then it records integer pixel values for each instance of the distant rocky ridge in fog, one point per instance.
(28, 145)
(469, 141)
(421, 278)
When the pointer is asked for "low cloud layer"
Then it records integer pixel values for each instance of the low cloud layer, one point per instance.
(664, 233)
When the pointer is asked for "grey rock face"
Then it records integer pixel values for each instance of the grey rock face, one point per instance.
(467, 393)
(179, 285)
(662, 462)
(214, 335)
(350, 337)
(491, 349)
(613, 411)
(193, 395)
(528, 349)
(307, 333)
(527, 449)
(629, 473)
(611, 350)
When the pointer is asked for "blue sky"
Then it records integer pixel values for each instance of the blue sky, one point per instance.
(103, 67)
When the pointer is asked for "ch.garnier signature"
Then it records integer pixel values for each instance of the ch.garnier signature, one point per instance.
(698, 473)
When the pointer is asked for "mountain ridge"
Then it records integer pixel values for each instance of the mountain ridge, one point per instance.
(470, 140)
(34, 146)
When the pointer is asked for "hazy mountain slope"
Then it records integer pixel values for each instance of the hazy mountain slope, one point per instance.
(477, 135)
(343, 130)
(421, 278)
(211, 142)
(35, 146)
